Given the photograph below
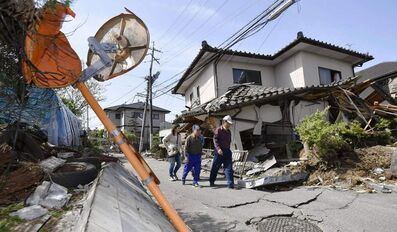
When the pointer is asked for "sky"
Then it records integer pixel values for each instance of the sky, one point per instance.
(179, 26)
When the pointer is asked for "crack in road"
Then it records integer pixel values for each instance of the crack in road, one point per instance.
(350, 202)
(240, 204)
(298, 204)
(308, 201)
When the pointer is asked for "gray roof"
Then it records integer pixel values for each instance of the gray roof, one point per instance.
(378, 70)
(241, 95)
(136, 105)
(300, 39)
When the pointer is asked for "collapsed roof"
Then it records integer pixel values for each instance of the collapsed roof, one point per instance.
(242, 95)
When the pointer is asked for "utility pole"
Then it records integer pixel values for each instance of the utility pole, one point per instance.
(151, 79)
(144, 118)
(88, 118)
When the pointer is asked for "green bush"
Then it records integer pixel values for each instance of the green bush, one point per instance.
(354, 134)
(131, 137)
(322, 135)
(330, 139)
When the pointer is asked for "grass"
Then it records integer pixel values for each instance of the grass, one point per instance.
(7, 222)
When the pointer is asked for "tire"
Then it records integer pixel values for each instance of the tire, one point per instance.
(72, 174)
(91, 160)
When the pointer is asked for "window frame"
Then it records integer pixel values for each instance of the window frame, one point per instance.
(191, 97)
(135, 113)
(332, 72)
(156, 116)
(198, 94)
(249, 70)
(117, 115)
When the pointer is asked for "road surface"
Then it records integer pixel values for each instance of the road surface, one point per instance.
(221, 209)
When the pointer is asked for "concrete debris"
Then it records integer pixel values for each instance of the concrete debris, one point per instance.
(33, 225)
(261, 167)
(65, 155)
(383, 188)
(258, 152)
(30, 212)
(271, 180)
(49, 195)
(57, 196)
(379, 171)
(38, 194)
(51, 164)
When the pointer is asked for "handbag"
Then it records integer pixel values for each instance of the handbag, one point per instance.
(173, 150)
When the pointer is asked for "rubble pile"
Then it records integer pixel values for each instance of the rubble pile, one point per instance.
(26, 159)
(364, 170)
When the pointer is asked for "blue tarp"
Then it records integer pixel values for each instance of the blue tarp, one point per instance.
(43, 108)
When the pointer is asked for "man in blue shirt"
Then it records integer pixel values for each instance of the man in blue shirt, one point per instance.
(223, 154)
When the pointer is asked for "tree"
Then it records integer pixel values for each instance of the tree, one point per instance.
(72, 97)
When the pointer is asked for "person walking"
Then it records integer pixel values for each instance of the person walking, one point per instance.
(193, 151)
(223, 154)
(173, 144)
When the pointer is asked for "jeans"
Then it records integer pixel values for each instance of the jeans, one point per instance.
(176, 159)
(226, 160)
(195, 163)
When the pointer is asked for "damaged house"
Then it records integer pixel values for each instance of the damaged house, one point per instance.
(267, 95)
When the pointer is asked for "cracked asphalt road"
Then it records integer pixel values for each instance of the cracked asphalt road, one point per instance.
(220, 209)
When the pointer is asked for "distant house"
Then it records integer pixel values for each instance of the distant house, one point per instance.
(267, 95)
(128, 117)
(384, 87)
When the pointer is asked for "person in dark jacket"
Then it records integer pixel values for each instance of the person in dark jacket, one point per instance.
(223, 154)
(193, 151)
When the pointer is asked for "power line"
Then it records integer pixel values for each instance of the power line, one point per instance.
(127, 93)
(187, 23)
(176, 20)
(213, 28)
(248, 30)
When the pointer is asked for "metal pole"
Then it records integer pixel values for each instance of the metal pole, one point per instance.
(151, 98)
(143, 121)
(132, 156)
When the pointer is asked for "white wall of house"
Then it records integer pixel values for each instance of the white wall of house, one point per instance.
(225, 74)
(289, 72)
(311, 62)
(206, 83)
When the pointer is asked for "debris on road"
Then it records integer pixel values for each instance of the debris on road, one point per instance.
(51, 164)
(49, 195)
(30, 212)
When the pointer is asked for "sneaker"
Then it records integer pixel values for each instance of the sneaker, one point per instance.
(196, 185)
(212, 184)
(171, 178)
(183, 182)
(175, 177)
(230, 187)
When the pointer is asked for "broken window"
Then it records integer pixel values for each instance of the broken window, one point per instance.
(241, 76)
(327, 76)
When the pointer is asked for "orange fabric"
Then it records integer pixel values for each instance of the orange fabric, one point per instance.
(51, 61)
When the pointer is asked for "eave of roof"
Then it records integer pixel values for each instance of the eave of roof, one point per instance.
(229, 101)
(300, 39)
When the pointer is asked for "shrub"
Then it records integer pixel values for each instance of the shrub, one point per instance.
(322, 135)
(330, 139)
(354, 134)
